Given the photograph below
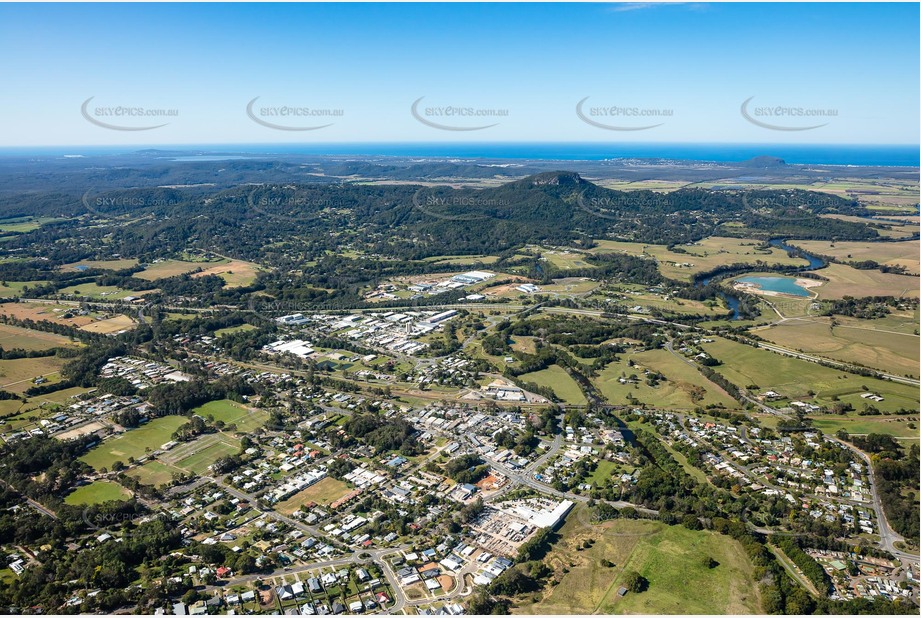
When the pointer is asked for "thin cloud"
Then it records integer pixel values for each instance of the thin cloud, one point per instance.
(623, 7)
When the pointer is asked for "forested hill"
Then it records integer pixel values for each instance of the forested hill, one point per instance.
(411, 221)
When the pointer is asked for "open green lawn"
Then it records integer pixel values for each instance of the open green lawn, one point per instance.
(556, 378)
(682, 376)
(233, 329)
(230, 412)
(99, 292)
(134, 442)
(681, 390)
(171, 268)
(896, 426)
(852, 341)
(24, 224)
(14, 288)
(602, 472)
(793, 378)
(97, 492)
(672, 558)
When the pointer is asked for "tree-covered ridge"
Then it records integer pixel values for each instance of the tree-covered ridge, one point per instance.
(274, 222)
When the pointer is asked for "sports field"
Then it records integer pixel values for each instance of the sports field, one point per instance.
(231, 412)
(134, 442)
(204, 451)
(153, 473)
(672, 558)
(97, 492)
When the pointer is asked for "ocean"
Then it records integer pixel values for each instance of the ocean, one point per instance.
(815, 154)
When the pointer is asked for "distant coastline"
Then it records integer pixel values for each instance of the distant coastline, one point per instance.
(882, 155)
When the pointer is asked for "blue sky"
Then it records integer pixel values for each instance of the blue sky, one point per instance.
(693, 64)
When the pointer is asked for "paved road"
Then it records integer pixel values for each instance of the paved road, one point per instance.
(35, 505)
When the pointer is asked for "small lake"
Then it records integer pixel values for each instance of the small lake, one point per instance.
(781, 285)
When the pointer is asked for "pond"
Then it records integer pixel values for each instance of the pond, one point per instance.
(780, 285)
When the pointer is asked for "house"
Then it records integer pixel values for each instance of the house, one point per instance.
(356, 607)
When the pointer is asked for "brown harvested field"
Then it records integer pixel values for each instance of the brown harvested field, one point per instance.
(905, 253)
(108, 326)
(845, 280)
(325, 491)
(12, 337)
(851, 342)
(236, 273)
(45, 311)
